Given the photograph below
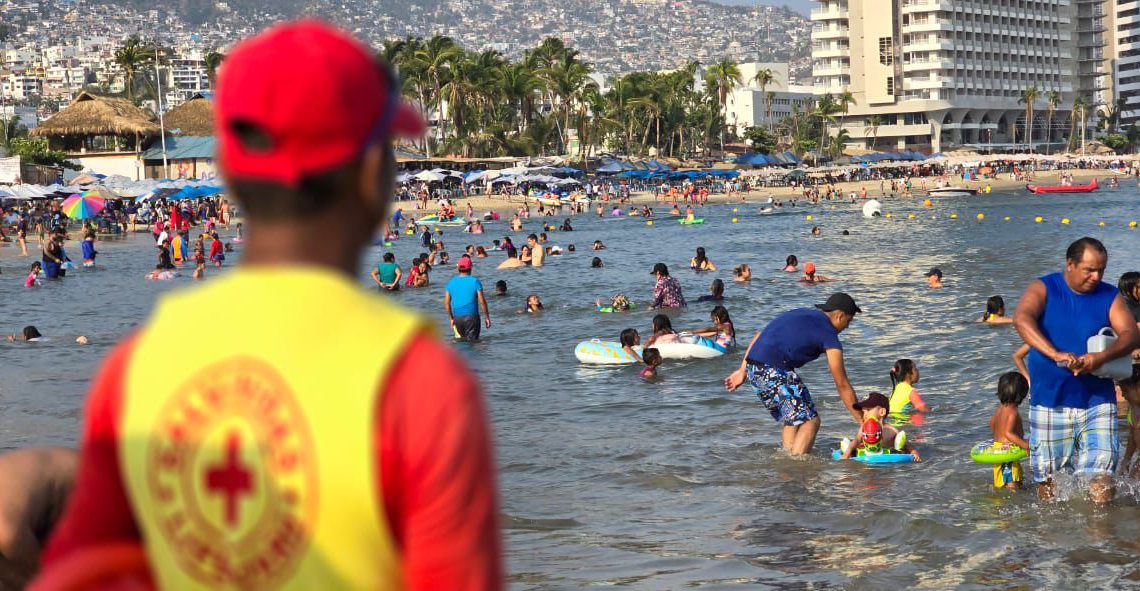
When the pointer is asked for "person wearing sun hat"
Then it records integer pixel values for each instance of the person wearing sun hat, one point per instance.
(790, 341)
(316, 436)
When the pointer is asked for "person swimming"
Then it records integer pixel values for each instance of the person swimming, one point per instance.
(700, 262)
(722, 330)
(742, 274)
(533, 304)
(791, 264)
(716, 292)
(629, 339)
(811, 277)
(596, 263)
(662, 331)
(652, 361)
(904, 398)
(995, 312)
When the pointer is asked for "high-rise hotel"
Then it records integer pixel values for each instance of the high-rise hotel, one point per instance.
(934, 75)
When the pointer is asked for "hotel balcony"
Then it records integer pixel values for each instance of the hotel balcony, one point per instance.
(830, 70)
(929, 25)
(828, 14)
(935, 64)
(830, 33)
(927, 83)
(829, 52)
(920, 6)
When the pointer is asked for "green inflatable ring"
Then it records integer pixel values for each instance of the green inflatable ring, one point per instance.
(990, 452)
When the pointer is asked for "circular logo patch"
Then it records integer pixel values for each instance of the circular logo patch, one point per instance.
(233, 477)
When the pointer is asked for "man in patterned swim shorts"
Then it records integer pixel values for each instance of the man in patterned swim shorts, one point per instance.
(790, 341)
(1072, 411)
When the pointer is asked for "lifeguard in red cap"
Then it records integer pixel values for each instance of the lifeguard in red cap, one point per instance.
(315, 436)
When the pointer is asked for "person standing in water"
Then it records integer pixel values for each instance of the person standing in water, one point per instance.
(1072, 412)
(790, 341)
(258, 460)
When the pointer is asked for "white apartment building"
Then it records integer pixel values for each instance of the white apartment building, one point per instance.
(186, 77)
(63, 81)
(748, 106)
(1127, 62)
(19, 87)
(941, 74)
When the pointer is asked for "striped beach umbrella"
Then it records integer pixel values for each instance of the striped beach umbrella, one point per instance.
(83, 205)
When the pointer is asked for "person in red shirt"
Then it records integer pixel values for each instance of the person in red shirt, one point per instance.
(217, 250)
(259, 460)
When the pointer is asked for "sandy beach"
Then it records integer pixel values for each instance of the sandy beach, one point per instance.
(507, 204)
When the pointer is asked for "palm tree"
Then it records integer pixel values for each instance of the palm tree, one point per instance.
(519, 84)
(838, 143)
(1052, 99)
(213, 60)
(567, 76)
(763, 78)
(1029, 96)
(131, 58)
(1078, 109)
(825, 110)
(726, 75)
(435, 59)
(845, 100)
(872, 128)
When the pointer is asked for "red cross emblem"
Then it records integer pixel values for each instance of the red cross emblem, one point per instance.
(231, 479)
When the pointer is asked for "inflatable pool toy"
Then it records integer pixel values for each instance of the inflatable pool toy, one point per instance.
(597, 352)
(992, 452)
(693, 222)
(611, 310)
(886, 457)
(600, 352)
(434, 220)
(872, 208)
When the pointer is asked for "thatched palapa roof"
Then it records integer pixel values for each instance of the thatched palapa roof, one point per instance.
(194, 117)
(93, 115)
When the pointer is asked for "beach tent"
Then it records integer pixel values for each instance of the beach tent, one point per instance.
(429, 176)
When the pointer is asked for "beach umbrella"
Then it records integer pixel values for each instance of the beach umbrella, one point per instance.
(82, 206)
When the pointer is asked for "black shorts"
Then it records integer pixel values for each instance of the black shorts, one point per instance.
(467, 327)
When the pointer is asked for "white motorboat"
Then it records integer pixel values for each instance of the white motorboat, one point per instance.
(952, 192)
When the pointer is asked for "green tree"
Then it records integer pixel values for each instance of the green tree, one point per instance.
(434, 61)
(1052, 100)
(1117, 141)
(871, 128)
(1029, 97)
(760, 139)
(131, 58)
(35, 150)
(726, 76)
(763, 78)
(213, 60)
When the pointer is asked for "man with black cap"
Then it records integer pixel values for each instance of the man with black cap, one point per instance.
(790, 341)
(319, 436)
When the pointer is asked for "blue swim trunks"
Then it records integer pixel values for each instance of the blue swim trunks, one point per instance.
(783, 394)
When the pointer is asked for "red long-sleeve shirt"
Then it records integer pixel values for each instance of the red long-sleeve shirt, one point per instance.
(436, 472)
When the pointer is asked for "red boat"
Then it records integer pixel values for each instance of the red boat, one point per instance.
(1063, 189)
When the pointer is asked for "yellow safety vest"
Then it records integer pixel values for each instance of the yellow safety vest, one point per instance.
(900, 397)
(250, 462)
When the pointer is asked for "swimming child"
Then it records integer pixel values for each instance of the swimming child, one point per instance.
(904, 398)
(874, 436)
(33, 279)
(618, 303)
(161, 273)
(722, 330)
(596, 263)
(1130, 390)
(662, 331)
(533, 304)
(88, 247)
(1007, 428)
(716, 292)
(200, 257)
(598, 245)
(742, 274)
(790, 264)
(811, 277)
(500, 288)
(652, 360)
(995, 312)
(629, 339)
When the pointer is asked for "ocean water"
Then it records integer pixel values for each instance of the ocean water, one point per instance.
(607, 480)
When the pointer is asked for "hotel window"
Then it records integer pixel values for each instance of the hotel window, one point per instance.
(886, 51)
(890, 86)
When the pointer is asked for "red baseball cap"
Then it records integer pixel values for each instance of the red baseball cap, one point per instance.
(315, 96)
(464, 263)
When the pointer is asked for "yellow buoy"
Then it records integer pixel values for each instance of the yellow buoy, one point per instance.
(1007, 218)
(1065, 221)
(953, 216)
(927, 203)
(734, 210)
(649, 223)
(808, 218)
(734, 220)
(1101, 224)
(911, 216)
(888, 216)
(1132, 224)
(1038, 219)
(981, 216)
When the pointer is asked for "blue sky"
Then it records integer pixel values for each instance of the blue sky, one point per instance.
(800, 6)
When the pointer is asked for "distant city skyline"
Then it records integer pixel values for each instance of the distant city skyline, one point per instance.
(801, 6)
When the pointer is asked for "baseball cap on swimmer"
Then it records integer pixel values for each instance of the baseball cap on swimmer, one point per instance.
(840, 301)
(464, 263)
(873, 400)
(660, 268)
(934, 272)
(303, 98)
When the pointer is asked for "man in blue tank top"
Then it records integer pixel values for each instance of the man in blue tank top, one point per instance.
(790, 341)
(1072, 412)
